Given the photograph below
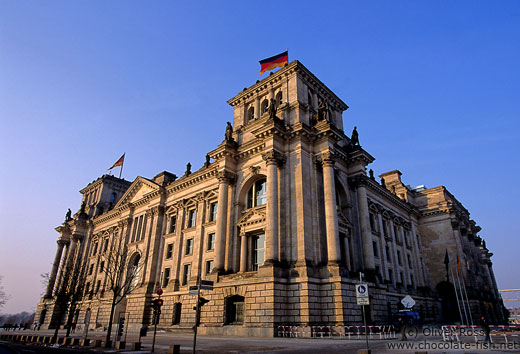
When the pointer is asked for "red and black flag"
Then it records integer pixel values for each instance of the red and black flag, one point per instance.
(277, 61)
(118, 162)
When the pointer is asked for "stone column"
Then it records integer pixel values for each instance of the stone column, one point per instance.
(257, 107)
(366, 233)
(243, 252)
(221, 225)
(55, 266)
(331, 213)
(72, 251)
(272, 159)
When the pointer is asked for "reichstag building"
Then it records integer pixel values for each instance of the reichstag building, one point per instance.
(283, 217)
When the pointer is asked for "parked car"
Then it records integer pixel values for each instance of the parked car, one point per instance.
(408, 317)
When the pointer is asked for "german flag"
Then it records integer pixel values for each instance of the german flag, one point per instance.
(277, 61)
(118, 162)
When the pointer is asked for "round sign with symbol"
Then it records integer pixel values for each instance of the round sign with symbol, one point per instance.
(159, 291)
(362, 289)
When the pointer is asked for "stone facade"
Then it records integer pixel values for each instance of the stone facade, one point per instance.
(283, 220)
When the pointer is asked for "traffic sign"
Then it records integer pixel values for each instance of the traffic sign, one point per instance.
(194, 290)
(159, 291)
(408, 302)
(362, 294)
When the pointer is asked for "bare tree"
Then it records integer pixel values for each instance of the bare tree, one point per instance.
(68, 295)
(122, 275)
(3, 296)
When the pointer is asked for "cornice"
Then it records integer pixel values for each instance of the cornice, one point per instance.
(196, 177)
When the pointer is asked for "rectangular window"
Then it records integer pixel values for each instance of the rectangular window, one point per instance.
(209, 266)
(176, 317)
(258, 251)
(411, 280)
(142, 230)
(402, 277)
(385, 227)
(388, 256)
(189, 246)
(399, 257)
(409, 261)
(213, 211)
(169, 250)
(87, 288)
(98, 286)
(134, 232)
(94, 249)
(91, 269)
(166, 277)
(173, 224)
(396, 233)
(101, 266)
(186, 274)
(373, 224)
(192, 215)
(390, 276)
(374, 246)
(106, 245)
(211, 241)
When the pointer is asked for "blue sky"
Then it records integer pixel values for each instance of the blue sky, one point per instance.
(433, 88)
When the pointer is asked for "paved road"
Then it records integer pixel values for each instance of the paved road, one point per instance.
(255, 345)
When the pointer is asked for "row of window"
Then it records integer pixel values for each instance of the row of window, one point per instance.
(389, 256)
(391, 276)
(186, 273)
(188, 248)
(374, 226)
(102, 249)
(234, 311)
(192, 218)
(264, 106)
(139, 228)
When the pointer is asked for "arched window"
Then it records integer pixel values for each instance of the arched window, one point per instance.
(235, 310)
(251, 113)
(257, 195)
(133, 269)
(264, 107)
(278, 99)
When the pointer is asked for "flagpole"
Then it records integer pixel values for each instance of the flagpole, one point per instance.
(462, 298)
(467, 300)
(122, 163)
(457, 297)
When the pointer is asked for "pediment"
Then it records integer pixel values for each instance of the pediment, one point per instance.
(252, 217)
(137, 191)
(343, 221)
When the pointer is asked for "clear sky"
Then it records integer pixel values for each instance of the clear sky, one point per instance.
(433, 88)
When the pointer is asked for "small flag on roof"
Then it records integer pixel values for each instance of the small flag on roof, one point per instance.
(118, 162)
(273, 62)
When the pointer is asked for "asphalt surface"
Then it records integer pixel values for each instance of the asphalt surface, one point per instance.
(256, 345)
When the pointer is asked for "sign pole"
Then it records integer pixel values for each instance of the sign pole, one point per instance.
(157, 313)
(197, 316)
(364, 316)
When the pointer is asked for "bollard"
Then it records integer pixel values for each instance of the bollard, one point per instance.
(97, 343)
(175, 349)
(85, 342)
(120, 344)
(136, 346)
